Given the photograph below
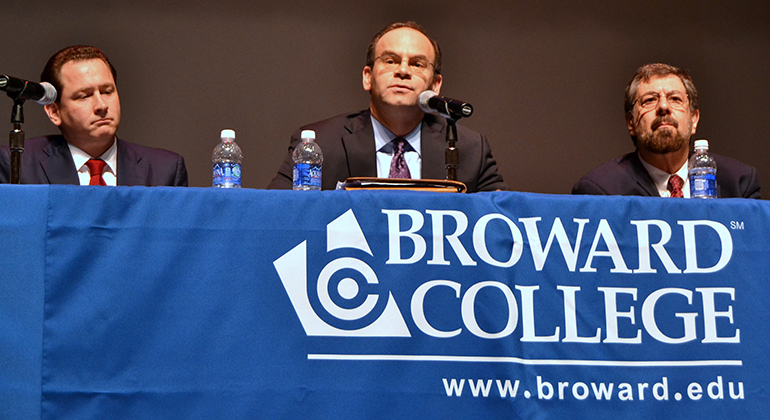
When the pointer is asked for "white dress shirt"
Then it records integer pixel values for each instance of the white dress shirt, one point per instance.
(660, 178)
(110, 173)
(413, 156)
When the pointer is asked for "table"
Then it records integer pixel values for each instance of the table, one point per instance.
(135, 302)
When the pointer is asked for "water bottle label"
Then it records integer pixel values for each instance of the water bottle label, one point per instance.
(703, 185)
(227, 174)
(307, 175)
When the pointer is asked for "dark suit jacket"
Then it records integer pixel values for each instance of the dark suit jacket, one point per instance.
(347, 143)
(626, 175)
(47, 160)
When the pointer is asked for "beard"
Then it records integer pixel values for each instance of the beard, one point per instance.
(664, 140)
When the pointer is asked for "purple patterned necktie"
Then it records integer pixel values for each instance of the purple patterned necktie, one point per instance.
(398, 168)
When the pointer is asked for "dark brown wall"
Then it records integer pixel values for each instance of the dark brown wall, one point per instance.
(546, 78)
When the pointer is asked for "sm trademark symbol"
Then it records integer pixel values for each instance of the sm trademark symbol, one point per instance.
(735, 225)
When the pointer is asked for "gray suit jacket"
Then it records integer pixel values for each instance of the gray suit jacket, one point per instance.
(347, 143)
(47, 160)
(626, 175)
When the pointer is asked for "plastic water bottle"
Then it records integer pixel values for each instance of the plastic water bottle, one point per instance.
(227, 158)
(308, 159)
(702, 170)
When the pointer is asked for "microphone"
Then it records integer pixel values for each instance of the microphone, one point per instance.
(431, 103)
(19, 89)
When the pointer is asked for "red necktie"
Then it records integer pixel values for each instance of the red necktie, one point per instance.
(95, 167)
(675, 186)
(398, 168)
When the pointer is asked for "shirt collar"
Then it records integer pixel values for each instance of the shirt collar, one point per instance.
(110, 156)
(660, 178)
(383, 137)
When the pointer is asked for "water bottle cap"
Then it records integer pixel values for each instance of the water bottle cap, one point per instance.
(228, 134)
(701, 144)
(308, 134)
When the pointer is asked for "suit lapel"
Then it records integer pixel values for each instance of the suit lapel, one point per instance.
(58, 167)
(433, 146)
(358, 141)
(131, 170)
(639, 173)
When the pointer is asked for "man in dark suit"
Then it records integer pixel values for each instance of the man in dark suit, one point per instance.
(402, 62)
(662, 114)
(87, 112)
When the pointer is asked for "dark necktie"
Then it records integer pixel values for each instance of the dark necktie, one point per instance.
(95, 167)
(675, 186)
(398, 168)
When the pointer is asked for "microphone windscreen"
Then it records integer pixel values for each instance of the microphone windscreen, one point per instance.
(50, 94)
(424, 98)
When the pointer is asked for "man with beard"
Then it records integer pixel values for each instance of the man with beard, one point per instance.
(662, 114)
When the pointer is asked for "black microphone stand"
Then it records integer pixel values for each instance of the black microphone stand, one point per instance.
(16, 140)
(451, 155)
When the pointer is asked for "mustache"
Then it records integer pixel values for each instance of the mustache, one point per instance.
(666, 119)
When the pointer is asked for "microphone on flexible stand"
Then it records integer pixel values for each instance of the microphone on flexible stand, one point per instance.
(431, 103)
(452, 110)
(20, 90)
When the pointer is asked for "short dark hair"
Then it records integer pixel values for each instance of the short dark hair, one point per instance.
(397, 25)
(648, 71)
(52, 71)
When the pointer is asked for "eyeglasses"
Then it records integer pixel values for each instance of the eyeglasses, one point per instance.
(391, 62)
(675, 100)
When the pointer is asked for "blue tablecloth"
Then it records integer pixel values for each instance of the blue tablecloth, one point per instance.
(136, 303)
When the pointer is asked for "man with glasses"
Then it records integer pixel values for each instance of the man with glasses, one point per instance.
(661, 105)
(401, 63)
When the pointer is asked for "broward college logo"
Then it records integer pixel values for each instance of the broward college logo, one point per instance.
(343, 232)
(346, 299)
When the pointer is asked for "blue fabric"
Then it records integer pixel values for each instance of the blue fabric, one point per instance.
(23, 231)
(204, 303)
